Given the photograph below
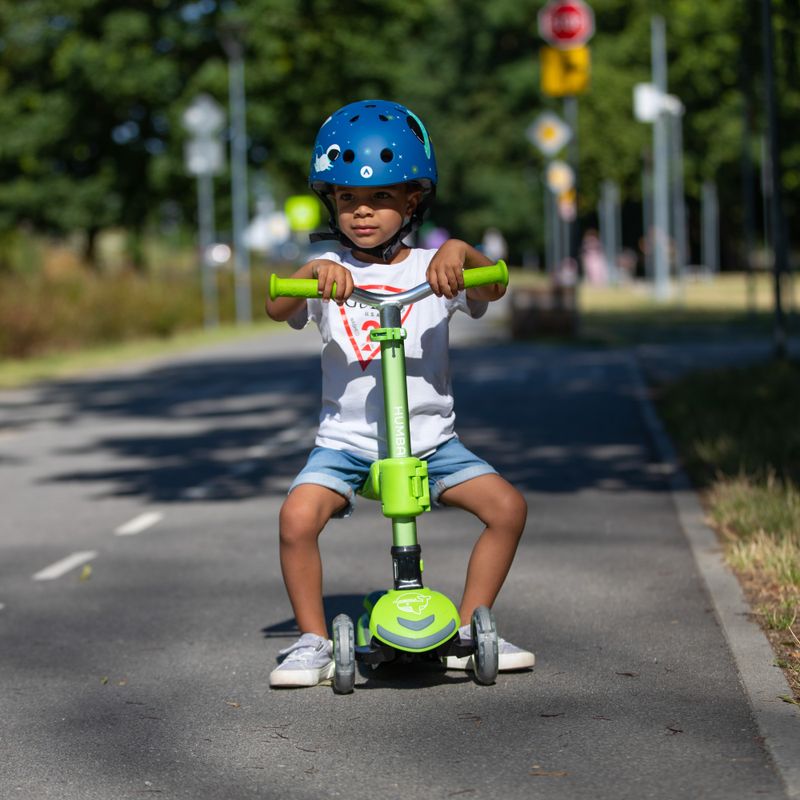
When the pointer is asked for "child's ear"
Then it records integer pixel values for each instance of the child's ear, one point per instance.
(412, 201)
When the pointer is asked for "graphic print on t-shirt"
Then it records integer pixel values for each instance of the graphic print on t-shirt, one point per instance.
(358, 329)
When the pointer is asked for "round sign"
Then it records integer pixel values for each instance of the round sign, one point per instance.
(566, 23)
(560, 177)
(548, 133)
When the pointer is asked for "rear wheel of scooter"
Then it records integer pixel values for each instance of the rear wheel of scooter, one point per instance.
(344, 655)
(484, 639)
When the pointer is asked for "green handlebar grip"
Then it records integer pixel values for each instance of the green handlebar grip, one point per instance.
(480, 276)
(294, 287)
(309, 287)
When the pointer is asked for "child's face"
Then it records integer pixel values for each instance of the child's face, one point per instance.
(369, 216)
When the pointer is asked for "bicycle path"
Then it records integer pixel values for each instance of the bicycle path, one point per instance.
(149, 676)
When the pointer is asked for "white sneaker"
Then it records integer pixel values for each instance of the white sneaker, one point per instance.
(307, 662)
(509, 656)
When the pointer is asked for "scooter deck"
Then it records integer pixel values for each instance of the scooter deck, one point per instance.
(408, 625)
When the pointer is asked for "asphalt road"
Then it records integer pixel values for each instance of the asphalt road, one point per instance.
(140, 666)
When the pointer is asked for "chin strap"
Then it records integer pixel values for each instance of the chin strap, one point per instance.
(386, 251)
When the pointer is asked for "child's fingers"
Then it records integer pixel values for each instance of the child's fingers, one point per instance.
(437, 278)
(446, 280)
(344, 286)
(326, 281)
(455, 279)
(451, 282)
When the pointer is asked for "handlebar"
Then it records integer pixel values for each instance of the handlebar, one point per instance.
(309, 287)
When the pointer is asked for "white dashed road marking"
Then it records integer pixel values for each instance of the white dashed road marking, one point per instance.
(65, 565)
(139, 524)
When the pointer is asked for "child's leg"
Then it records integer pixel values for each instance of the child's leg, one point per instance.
(503, 511)
(303, 515)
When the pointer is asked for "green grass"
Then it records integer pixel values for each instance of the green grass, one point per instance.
(718, 309)
(733, 422)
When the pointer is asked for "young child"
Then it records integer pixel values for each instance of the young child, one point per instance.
(374, 169)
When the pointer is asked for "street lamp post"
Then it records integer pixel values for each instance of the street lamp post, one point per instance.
(203, 120)
(231, 36)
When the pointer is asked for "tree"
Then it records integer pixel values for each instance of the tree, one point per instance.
(93, 92)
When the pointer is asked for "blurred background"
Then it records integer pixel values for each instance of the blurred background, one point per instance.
(154, 155)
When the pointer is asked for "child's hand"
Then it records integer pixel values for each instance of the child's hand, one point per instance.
(446, 271)
(329, 272)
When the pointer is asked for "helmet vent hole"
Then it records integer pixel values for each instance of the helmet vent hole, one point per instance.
(383, 118)
(349, 156)
(370, 105)
(333, 152)
(416, 129)
(355, 118)
(386, 155)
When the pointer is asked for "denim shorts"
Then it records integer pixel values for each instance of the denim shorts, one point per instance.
(345, 472)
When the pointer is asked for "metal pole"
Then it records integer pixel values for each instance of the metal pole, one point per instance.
(778, 238)
(647, 216)
(710, 215)
(748, 174)
(555, 221)
(661, 158)
(241, 255)
(609, 224)
(205, 218)
(549, 255)
(678, 198)
(571, 232)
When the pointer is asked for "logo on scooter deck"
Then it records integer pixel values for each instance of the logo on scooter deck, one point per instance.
(412, 602)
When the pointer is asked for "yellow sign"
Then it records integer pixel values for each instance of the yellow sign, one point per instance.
(565, 72)
(302, 211)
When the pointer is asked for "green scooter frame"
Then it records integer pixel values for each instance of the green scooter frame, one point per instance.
(409, 621)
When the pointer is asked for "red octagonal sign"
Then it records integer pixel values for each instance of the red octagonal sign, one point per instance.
(566, 23)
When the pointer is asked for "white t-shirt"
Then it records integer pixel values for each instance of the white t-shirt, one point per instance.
(352, 415)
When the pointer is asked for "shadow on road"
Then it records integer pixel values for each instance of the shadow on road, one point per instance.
(556, 420)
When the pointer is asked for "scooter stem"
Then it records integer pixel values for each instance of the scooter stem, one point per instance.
(395, 402)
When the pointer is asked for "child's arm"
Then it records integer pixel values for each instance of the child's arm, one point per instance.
(445, 272)
(328, 273)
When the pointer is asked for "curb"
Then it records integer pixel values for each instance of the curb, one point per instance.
(763, 682)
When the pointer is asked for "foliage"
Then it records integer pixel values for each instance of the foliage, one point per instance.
(68, 309)
(93, 92)
(43, 313)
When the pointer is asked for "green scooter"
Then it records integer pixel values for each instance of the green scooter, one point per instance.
(409, 621)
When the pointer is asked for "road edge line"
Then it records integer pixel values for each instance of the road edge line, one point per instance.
(762, 680)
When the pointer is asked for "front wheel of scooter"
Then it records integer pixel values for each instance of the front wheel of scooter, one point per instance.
(484, 639)
(344, 655)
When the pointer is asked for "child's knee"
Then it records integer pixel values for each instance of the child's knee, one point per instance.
(299, 522)
(510, 510)
(306, 511)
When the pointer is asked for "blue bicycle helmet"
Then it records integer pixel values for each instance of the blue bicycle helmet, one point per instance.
(373, 143)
